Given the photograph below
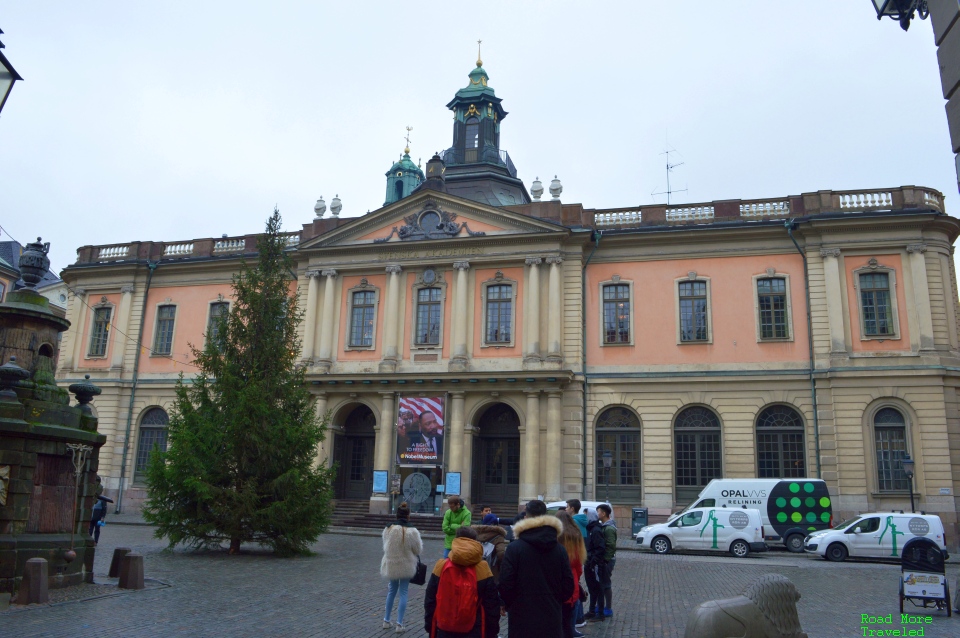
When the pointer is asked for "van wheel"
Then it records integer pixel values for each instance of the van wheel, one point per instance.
(794, 543)
(660, 545)
(739, 549)
(837, 553)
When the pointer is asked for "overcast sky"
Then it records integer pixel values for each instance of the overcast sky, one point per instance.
(181, 120)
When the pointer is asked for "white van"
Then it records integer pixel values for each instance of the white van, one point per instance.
(877, 535)
(739, 531)
(791, 508)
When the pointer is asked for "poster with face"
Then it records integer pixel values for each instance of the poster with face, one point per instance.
(420, 431)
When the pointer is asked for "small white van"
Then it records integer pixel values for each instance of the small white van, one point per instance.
(738, 531)
(877, 535)
(790, 508)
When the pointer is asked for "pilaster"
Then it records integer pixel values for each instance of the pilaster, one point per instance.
(310, 318)
(831, 276)
(458, 362)
(530, 456)
(327, 321)
(531, 313)
(555, 319)
(554, 465)
(921, 294)
(391, 351)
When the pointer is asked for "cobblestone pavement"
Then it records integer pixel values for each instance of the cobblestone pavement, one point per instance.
(338, 593)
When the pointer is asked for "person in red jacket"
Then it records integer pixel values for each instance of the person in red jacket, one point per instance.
(572, 540)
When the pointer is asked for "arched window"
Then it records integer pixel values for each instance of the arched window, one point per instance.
(890, 440)
(780, 450)
(618, 433)
(697, 451)
(153, 434)
(398, 187)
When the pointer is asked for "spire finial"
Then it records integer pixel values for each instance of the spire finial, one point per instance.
(406, 149)
(479, 61)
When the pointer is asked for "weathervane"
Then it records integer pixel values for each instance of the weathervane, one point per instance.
(407, 149)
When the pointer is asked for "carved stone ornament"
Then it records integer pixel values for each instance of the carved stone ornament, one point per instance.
(615, 279)
(771, 272)
(126, 290)
(103, 301)
(554, 259)
(329, 272)
(917, 248)
(430, 277)
(533, 261)
(4, 482)
(363, 283)
(692, 275)
(498, 276)
(829, 252)
(873, 264)
(461, 265)
(431, 222)
(394, 269)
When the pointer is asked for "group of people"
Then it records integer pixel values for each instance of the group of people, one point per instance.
(533, 581)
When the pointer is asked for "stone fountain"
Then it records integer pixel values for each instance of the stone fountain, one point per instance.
(49, 450)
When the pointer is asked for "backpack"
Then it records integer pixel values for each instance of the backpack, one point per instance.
(490, 553)
(457, 599)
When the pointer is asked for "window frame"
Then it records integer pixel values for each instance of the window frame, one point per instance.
(872, 415)
(616, 280)
(621, 492)
(210, 305)
(419, 285)
(801, 429)
(674, 431)
(93, 324)
(514, 298)
(139, 475)
(154, 352)
(693, 277)
(874, 268)
(362, 286)
(756, 307)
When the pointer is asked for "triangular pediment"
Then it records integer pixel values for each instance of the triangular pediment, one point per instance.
(430, 215)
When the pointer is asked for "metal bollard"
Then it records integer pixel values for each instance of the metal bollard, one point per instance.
(34, 586)
(118, 555)
(131, 571)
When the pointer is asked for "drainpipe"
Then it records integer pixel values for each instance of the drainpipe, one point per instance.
(151, 267)
(583, 314)
(790, 225)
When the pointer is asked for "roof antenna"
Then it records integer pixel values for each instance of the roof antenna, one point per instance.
(670, 168)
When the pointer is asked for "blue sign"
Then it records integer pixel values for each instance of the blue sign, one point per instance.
(453, 483)
(380, 481)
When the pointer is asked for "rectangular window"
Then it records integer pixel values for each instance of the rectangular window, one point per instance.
(361, 319)
(891, 446)
(217, 310)
(693, 311)
(100, 333)
(616, 313)
(875, 304)
(428, 317)
(772, 301)
(499, 312)
(3, 289)
(163, 339)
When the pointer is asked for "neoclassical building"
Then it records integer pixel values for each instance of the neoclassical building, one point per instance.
(532, 347)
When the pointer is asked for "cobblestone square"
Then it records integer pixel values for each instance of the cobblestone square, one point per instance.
(338, 592)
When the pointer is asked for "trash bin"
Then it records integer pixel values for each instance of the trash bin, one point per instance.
(639, 519)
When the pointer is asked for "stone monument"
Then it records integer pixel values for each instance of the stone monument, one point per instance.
(49, 450)
(767, 609)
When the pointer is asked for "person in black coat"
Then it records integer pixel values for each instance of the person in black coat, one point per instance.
(535, 578)
(596, 548)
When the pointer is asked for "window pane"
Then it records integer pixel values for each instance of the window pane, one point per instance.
(875, 304)
(693, 311)
(499, 310)
(890, 435)
(153, 434)
(697, 448)
(428, 316)
(100, 333)
(217, 310)
(616, 314)
(163, 340)
(362, 318)
(772, 303)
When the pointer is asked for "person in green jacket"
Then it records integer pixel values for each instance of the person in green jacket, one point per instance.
(609, 529)
(453, 519)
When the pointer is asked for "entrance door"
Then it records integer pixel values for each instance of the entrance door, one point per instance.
(497, 469)
(354, 454)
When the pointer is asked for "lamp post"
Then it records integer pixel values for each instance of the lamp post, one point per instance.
(8, 75)
(908, 465)
(607, 462)
(901, 10)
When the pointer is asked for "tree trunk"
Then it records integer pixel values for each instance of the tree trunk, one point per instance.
(235, 545)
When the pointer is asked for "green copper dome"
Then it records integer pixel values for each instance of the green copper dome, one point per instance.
(402, 178)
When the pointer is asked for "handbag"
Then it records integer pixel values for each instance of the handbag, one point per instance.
(420, 577)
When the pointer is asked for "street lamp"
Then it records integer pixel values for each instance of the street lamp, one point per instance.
(907, 464)
(8, 75)
(607, 462)
(901, 10)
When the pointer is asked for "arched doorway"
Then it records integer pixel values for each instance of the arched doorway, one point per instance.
(496, 459)
(353, 452)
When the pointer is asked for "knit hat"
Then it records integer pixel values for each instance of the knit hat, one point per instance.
(490, 519)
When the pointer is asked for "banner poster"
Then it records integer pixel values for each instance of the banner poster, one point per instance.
(420, 430)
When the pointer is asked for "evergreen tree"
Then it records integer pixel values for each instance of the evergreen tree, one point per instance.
(243, 435)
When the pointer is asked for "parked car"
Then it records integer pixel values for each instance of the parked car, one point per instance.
(875, 535)
(791, 508)
(556, 506)
(739, 531)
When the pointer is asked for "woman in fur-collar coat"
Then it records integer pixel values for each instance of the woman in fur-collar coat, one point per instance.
(401, 548)
(535, 578)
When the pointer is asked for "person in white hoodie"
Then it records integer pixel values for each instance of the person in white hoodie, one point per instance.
(401, 548)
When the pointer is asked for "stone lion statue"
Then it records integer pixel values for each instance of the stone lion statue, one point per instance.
(767, 609)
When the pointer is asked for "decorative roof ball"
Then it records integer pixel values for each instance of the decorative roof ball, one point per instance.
(335, 206)
(536, 189)
(320, 208)
(555, 188)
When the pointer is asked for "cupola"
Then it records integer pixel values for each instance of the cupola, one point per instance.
(404, 176)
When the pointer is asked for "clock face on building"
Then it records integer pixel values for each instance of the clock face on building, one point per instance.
(429, 276)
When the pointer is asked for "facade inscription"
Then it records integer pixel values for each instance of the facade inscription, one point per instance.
(429, 253)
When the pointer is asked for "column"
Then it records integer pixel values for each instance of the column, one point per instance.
(310, 320)
(921, 294)
(554, 466)
(81, 309)
(120, 322)
(530, 454)
(458, 362)
(555, 320)
(531, 311)
(455, 434)
(391, 354)
(383, 450)
(326, 445)
(835, 310)
(466, 477)
(327, 321)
